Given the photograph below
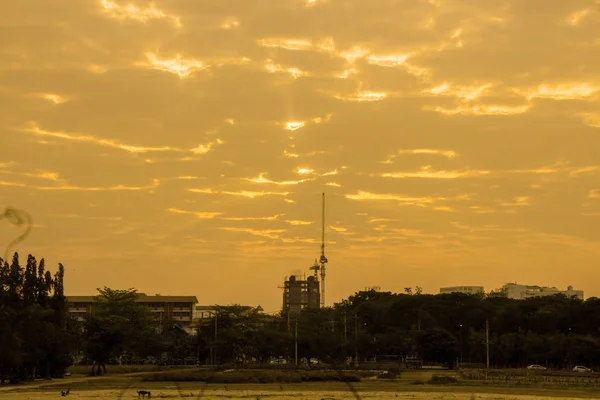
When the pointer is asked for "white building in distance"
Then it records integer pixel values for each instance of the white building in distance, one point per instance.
(462, 289)
(520, 292)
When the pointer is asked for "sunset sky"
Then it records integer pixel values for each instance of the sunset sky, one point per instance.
(181, 147)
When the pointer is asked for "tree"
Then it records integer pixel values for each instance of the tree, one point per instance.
(438, 345)
(117, 326)
(34, 336)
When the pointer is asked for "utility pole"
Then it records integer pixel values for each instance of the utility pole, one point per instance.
(356, 339)
(345, 328)
(487, 344)
(216, 336)
(296, 343)
(461, 346)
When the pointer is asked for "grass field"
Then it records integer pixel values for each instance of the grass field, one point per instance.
(412, 385)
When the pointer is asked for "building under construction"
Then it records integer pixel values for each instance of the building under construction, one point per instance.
(300, 293)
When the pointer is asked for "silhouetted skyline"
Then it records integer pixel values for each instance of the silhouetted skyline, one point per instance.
(182, 148)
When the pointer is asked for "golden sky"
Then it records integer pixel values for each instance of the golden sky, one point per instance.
(181, 147)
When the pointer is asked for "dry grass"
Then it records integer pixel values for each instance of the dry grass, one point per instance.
(124, 386)
(528, 377)
(285, 393)
(252, 376)
(120, 369)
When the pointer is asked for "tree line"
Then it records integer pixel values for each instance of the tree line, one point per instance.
(38, 338)
(449, 329)
(35, 330)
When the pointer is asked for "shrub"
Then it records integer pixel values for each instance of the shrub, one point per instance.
(253, 376)
(442, 380)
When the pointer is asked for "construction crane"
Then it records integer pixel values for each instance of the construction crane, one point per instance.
(316, 267)
(323, 259)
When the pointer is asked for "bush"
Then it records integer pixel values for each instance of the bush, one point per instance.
(442, 380)
(116, 369)
(253, 376)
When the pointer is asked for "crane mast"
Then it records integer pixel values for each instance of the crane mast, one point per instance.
(323, 259)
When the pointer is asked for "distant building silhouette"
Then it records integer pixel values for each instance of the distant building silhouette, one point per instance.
(462, 289)
(520, 292)
(299, 294)
(179, 309)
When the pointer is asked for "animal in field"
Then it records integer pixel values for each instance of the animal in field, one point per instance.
(65, 392)
(143, 393)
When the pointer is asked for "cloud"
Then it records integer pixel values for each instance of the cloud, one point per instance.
(162, 122)
(261, 179)
(242, 193)
(463, 92)
(364, 195)
(295, 125)
(177, 65)
(268, 233)
(427, 173)
(482, 110)
(297, 222)
(362, 96)
(199, 215)
(130, 11)
(76, 137)
(561, 91)
(575, 18)
(53, 98)
(517, 202)
(270, 218)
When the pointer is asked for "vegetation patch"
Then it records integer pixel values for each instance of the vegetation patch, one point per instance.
(521, 376)
(442, 380)
(252, 377)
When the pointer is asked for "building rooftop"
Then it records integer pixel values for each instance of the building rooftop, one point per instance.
(142, 298)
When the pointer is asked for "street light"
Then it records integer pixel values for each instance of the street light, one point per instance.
(461, 345)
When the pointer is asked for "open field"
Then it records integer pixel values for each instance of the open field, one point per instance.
(410, 386)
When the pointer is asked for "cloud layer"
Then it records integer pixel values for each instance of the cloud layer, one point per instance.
(181, 147)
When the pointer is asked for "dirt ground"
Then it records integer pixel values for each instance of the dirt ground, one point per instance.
(125, 386)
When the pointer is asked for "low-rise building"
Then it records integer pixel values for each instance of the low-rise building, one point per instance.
(179, 309)
(520, 292)
(462, 289)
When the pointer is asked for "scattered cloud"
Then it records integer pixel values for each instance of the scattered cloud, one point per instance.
(482, 110)
(427, 173)
(268, 233)
(242, 193)
(133, 12)
(199, 215)
(178, 65)
(230, 23)
(298, 222)
(294, 72)
(362, 96)
(562, 91)
(35, 129)
(364, 195)
(261, 179)
(53, 98)
(463, 92)
(575, 18)
(517, 202)
(269, 218)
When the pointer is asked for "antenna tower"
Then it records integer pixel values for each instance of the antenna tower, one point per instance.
(323, 259)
